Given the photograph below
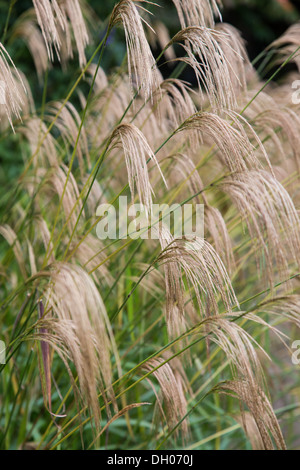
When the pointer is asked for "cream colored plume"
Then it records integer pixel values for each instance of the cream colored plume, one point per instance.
(207, 51)
(141, 63)
(205, 274)
(83, 333)
(271, 217)
(12, 88)
(137, 154)
(172, 402)
(260, 408)
(58, 20)
(236, 149)
(197, 12)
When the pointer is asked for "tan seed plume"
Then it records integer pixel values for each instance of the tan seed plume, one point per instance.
(137, 152)
(141, 64)
(11, 87)
(197, 12)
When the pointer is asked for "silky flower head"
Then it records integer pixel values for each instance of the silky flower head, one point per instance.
(260, 408)
(236, 149)
(49, 16)
(175, 102)
(206, 54)
(205, 274)
(11, 88)
(172, 402)
(58, 20)
(65, 186)
(137, 154)
(197, 12)
(185, 169)
(160, 35)
(10, 236)
(288, 44)
(238, 346)
(68, 124)
(29, 31)
(47, 154)
(271, 217)
(234, 49)
(73, 11)
(141, 64)
(82, 333)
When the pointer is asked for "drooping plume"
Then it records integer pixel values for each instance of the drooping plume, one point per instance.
(58, 22)
(171, 401)
(260, 408)
(141, 64)
(288, 44)
(137, 153)
(206, 54)
(197, 12)
(68, 124)
(27, 28)
(185, 169)
(205, 274)
(11, 88)
(271, 217)
(81, 329)
(235, 147)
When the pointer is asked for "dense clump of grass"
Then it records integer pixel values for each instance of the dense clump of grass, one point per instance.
(138, 343)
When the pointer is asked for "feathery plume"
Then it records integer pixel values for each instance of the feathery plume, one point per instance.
(49, 16)
(71, 194)
(234, 49)
(101, 82)
(160, 35)
(204, 273)
(204, 48)
(140, 59)
(260, 408)
(57, 19)
(46, 237)
(250, 427)
(11, 87)
(287, 45)
(271, 217)
(68, 124)
(175, 102)
(197, 12)
(47, 154)
(28, 30)
(137, 151)
(215, 223)
(91, 253)
(287, 307)
(289, 122)
(10, 236)
(234, 144)
(173, 388)
(238, 346)
(83, 326)
(72, 10)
